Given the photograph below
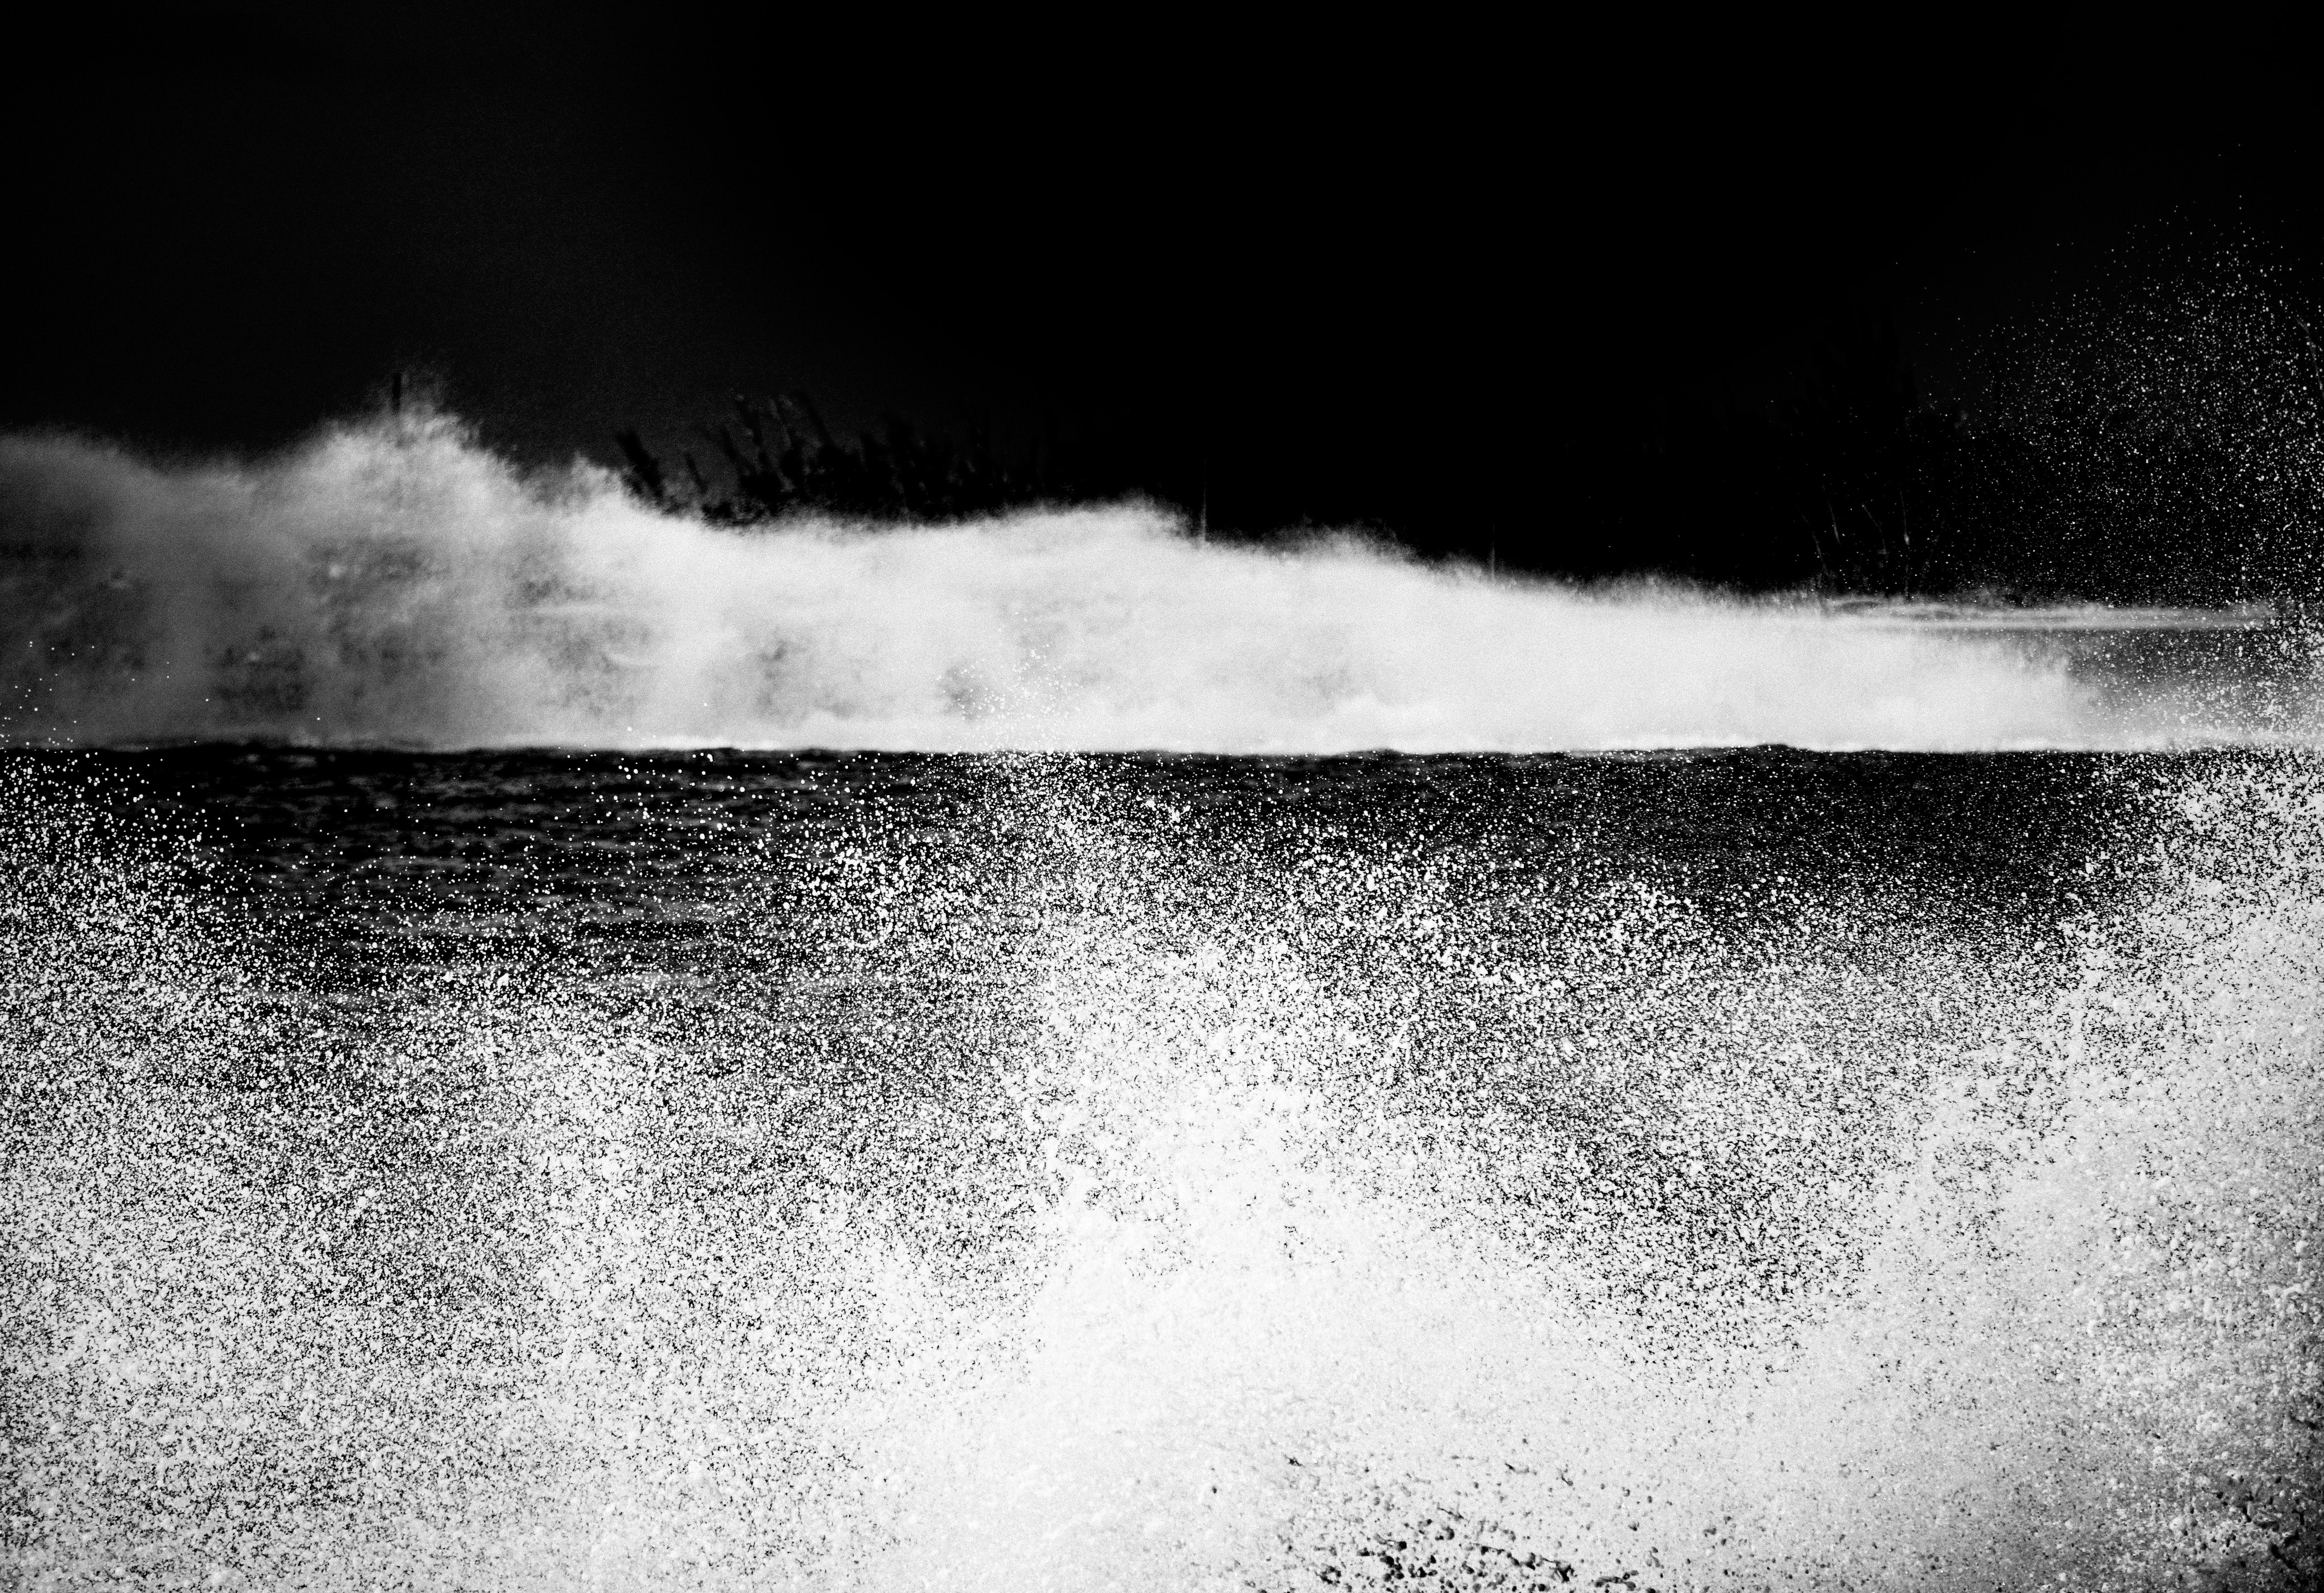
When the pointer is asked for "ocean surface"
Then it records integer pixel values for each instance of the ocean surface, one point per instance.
(1750, 1168)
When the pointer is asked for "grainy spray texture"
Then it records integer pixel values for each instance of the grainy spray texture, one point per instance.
(1763, 1170)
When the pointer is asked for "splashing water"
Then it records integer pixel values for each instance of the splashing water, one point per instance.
(396, 584)
(1280, 1347)
(1136, 1206)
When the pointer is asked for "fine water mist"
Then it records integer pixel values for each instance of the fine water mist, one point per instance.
(395, 583)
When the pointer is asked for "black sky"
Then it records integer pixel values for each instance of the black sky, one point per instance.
(1388, 270)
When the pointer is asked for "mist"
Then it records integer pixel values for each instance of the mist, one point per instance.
(395, 583)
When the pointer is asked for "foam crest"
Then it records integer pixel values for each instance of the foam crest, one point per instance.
(396, 584)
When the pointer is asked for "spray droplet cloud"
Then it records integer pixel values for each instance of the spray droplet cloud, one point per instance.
(395, 583)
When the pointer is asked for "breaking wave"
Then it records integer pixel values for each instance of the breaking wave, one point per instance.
(395, 583)
(1597, 1243)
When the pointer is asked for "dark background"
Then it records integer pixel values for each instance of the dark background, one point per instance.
(1567, 299)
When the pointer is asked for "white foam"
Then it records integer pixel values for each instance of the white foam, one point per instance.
(397, 584)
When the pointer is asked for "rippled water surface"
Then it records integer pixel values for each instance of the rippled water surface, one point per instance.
(1755, 1169)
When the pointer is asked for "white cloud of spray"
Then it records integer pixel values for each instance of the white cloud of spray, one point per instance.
(2062, 1332)
(482, 1308)
(396, 584)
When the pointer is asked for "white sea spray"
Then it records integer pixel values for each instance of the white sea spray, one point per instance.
(396, 583)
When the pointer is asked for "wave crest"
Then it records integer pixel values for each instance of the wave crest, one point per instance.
(396, 583)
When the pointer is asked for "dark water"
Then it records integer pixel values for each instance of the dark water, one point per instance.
(1760, 1168)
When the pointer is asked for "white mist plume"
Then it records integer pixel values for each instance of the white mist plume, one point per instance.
(395, 583)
